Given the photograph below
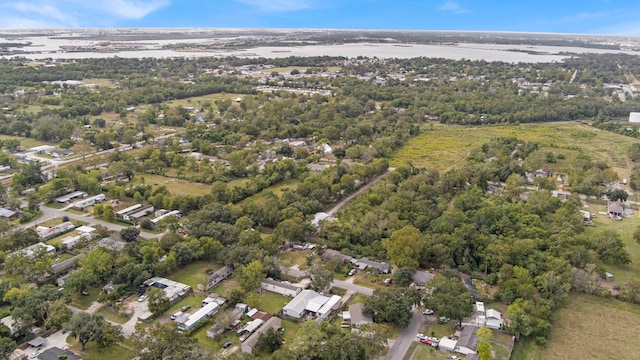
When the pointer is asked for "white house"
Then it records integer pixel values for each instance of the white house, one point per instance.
(310, 302)
(200, 315)
(446, 344)
(88, 201)
(46, 233)
(33, 249)
(279, 287)
(493, 319)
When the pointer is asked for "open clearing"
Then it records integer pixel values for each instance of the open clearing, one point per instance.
(175, 186)
(589, 327)
(447, 146)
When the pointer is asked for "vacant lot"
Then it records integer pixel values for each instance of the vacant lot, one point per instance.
(447, 146)
(194, 274)
(589, 327)
(175, 186)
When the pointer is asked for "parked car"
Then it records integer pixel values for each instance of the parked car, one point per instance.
(427, 312)
(453, 358)
(176, 315)
(444, 319)
(352, 272)
(421, 336)
(426, 341)
(227, 344)
(142, 298)
(185, 308)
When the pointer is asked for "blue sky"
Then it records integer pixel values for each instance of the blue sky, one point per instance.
(566, 16)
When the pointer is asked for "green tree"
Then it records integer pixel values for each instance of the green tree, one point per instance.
(403, 277)
(269, 341)
(80, 280)
(164, 342)
(392, 305)
(321, 277)
(251, 275)
(85, 327)
(158, 302)
(129, 234)
(6, 347)
(484, 346)
(403, 245)
(99, 262)
(449, 297)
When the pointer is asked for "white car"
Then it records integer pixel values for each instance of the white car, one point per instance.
(421, 336)
(35, 354)
(142, 298)
(176, 315)
(427, 312)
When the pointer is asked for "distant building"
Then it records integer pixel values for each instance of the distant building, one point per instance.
(173, 290)
(380, 267)
(60, 153)
(80, 205)
(202, 314)
(8, 214)
(310, 302)
(30, 251)
(66, 265)
(49, 232)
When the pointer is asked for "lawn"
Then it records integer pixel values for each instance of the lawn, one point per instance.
(272, 303)
(589, 327)
(100, 82)
(625, 229)
(174, 185)
(93, 352)
(194, 274)
(448, 146)
(83, 302)
(111, 315)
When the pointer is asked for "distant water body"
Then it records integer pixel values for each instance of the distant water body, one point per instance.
(50, 48)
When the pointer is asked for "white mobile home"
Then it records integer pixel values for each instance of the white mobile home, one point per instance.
(89, 201)
(202, 314)
(279, 287)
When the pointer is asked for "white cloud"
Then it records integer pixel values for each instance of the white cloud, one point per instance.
(454, 7)
(73, 13)
(279, 5)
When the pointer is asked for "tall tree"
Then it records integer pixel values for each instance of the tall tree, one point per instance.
(449, 298)
(392, 305)
(321, 277)
(251, 275)
(85, 327)
(163, 342)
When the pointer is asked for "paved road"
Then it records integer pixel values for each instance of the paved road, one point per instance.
(401, 345)
(363, 188)
(355, 288)
(49, 213)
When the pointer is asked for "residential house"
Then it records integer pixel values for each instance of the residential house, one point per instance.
(202, 314)
(615, 209)
(447, 345)
(312, 303)
(380, 267)
(279, 287)
(214, 298)
(357, 316)
(493, 319)
(250, 343)
(8, 214)
(61, 153)
(65, 199)
(543, 172)
(80, 205)
(218, 276)
(113, 245)
(47, 233)
(55, 353)
(32, 250)
(420, 278)
(329, 254)
(219, 328)
(468, 341)
(321, 216)
(66, 265)
(173, 290)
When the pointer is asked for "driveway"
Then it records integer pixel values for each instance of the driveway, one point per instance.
(57, 339)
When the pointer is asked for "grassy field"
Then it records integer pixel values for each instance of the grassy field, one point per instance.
(197, 101)
(447, 146)
(175, 186)
(194, 274)
(25, 142)
(272, 303)
(83, 302)
(625, 229)
(589, 327)
(100, 82)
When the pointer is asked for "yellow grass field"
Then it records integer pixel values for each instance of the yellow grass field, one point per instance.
(589, 327)
(175, 186)
(447, 146)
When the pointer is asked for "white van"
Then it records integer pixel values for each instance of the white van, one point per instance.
(176, 315)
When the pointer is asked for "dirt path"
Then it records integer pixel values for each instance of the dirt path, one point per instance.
(362, 189)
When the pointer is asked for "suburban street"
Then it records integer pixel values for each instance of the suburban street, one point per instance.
(400, 346)
(355, 288)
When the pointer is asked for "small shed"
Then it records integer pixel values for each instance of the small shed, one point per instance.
(37, 342)
(446, 344)
(609, 276)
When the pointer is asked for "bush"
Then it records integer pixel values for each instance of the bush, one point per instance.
(492, 279)
(541, 341)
